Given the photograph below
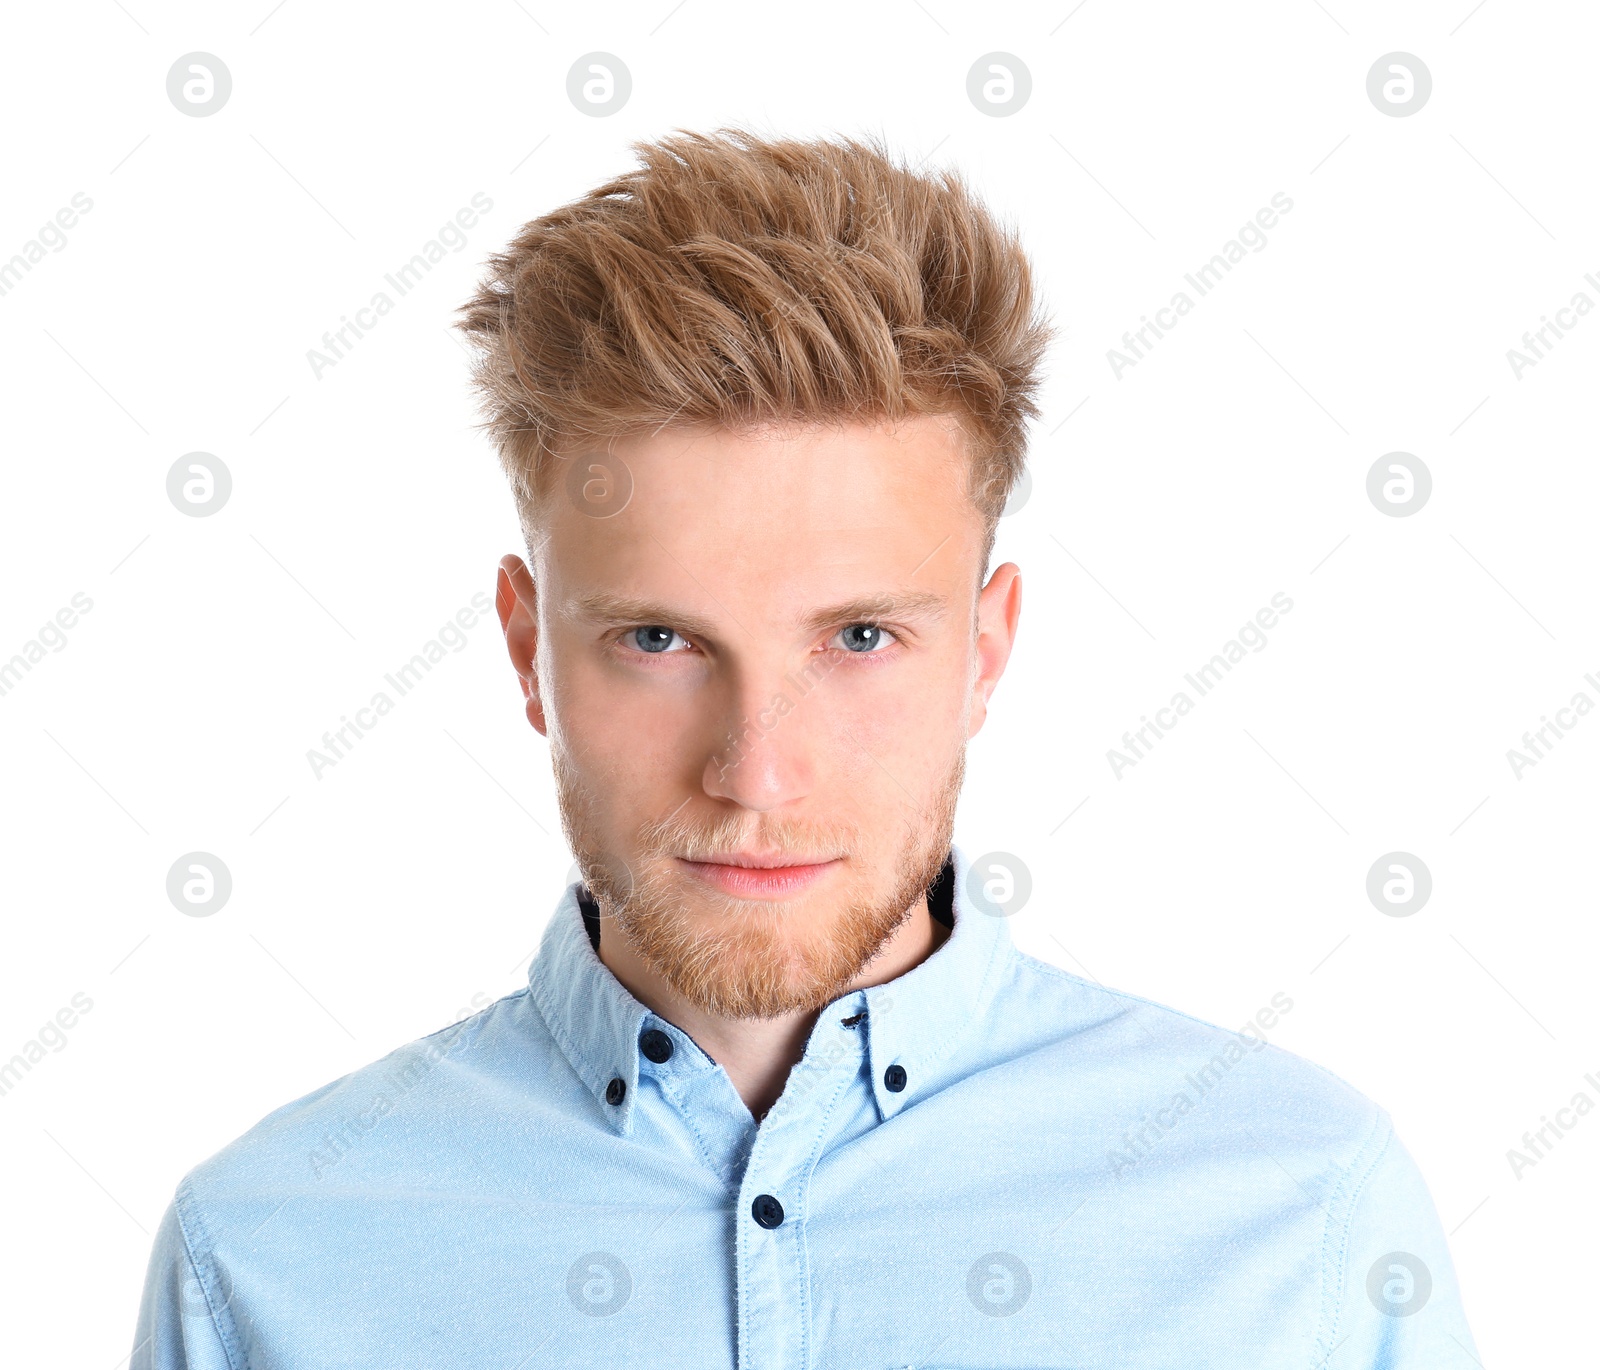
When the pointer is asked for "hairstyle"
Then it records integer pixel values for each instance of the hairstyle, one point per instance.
(742, 282)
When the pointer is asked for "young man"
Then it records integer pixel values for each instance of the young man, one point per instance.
(781, 1092)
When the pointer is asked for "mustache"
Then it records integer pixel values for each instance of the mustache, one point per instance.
(694, 839)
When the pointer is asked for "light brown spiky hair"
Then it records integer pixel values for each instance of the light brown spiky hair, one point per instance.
(743, 282)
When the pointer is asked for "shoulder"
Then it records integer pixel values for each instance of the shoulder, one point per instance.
(1170, 1063)
(371, 1120)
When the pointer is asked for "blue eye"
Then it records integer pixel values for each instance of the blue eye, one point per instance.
(863, 638)
(655, 638)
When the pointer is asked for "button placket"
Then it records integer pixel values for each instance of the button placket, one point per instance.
(707, 1108)
(771, 1260)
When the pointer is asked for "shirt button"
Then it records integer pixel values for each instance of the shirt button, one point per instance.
(615, 1090)
(895, 1078)
(766, 1210)
(655, 1044)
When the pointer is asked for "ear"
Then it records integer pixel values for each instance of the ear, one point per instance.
(999, 608)
(517, 601)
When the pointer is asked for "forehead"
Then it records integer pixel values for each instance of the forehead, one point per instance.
(715, 517)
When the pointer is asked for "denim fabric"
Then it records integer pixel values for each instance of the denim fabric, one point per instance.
(1068, 1176)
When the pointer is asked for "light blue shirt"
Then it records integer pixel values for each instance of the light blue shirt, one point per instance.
(986, 1162)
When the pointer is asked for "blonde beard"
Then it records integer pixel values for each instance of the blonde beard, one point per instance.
(741, 958)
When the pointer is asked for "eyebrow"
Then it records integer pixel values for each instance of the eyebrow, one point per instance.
(609, 610)
(910, 604)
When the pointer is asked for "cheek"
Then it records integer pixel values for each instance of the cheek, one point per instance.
(896, 730)
(617, 723)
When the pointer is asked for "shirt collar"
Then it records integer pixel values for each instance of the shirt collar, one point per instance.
(913, 1021)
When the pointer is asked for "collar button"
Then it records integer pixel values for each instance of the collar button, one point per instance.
(656, 1045)
(615, 1090)
(894, 1078)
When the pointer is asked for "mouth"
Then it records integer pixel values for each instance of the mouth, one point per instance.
(756, 876)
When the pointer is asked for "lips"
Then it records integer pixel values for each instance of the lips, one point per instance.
(756, 861)
(779, 875)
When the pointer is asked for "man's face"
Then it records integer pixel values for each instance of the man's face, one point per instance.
(758, 680)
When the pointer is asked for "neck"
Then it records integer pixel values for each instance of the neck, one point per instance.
(758, 1053)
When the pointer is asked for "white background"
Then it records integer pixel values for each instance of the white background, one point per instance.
(1169, 504)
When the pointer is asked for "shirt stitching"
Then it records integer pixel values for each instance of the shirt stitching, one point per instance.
(669, 1088)
(804, 1187)
(1334, 1262)
(1000, 954)
(227, 1335)
(558, 1032)
(1333, 1265)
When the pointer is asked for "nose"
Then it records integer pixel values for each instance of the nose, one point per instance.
(762, 755)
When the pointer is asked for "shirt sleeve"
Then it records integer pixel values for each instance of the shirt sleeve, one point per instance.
(178, 1313)
(1399, 1307)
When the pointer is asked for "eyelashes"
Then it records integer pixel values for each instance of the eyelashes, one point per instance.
(647, 639)
(879, 634)
(658, 640)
